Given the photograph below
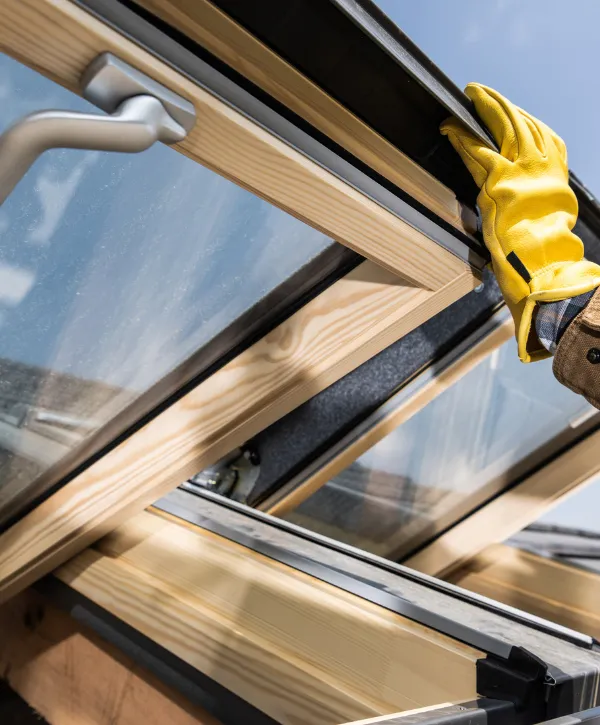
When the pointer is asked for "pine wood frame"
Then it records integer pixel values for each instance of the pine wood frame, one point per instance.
(551, 589)
(297, 648)
(351, 321)
(512, 511)
(213, 29)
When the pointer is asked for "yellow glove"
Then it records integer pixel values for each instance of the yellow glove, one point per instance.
(527, 209)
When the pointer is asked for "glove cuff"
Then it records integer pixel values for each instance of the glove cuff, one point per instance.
(557, 282)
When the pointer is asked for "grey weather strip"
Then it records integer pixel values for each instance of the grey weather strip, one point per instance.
(185, 62)
(530, 620)
(175, 504)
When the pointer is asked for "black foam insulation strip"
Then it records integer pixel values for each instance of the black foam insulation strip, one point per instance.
(287, 446)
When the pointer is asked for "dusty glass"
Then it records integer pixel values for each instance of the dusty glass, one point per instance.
(115, 268)
(456, 452)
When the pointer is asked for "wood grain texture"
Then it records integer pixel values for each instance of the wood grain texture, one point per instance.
(209, 26)
(553, 590)
(295, 647)
(71, 677)
(287, 500)
(60, 39)
(348, 323)
(511, 511)
(398, 716)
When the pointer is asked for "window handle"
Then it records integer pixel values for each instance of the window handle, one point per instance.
(141, 110)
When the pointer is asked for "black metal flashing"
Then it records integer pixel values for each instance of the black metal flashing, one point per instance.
(196, 687)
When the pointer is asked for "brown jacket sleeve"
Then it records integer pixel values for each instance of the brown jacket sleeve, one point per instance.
(577, 358)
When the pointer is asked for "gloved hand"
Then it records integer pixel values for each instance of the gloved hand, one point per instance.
(527, 209)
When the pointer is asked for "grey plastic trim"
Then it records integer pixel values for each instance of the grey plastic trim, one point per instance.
(139, 119)
(179, 503)
(185, 62)
(592, 717)
(530, 620)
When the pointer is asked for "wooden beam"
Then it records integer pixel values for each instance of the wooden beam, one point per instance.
(512, 511)
(59, 39)
(348, 323)
(288, 499)
(553, 590)
(209, 26)
(299, 649)
(71, 677)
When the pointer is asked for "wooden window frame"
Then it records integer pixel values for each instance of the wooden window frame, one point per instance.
(295, 647)
(214, 30)
(59, 39)
(512, 511)
(551, 589)
(412, 279)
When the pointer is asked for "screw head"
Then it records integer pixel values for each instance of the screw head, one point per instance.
(593, 355)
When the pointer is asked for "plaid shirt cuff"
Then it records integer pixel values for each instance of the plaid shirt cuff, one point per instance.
(553, 318)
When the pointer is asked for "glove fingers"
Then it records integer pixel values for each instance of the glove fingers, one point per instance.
(537, 134)
(478, 158)
(508, 126)
(548, 135)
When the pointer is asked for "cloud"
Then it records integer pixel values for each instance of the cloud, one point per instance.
(55, 195)
(15, 283)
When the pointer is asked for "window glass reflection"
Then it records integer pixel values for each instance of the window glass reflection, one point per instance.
(114, 268)
(445, 460)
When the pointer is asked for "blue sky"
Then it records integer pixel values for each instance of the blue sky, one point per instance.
(542, 54)
(545, 56)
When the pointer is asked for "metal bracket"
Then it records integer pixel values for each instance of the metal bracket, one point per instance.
(142, 112)
(108, 81)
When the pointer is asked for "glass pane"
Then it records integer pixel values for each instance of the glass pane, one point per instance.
(114, 268)
(446, 459)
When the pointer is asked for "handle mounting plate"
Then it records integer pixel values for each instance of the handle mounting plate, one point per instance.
(108, 81)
